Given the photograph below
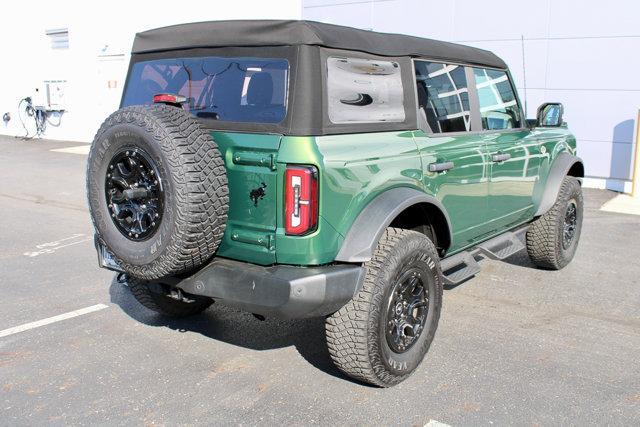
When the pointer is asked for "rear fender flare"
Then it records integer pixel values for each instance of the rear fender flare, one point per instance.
(365, 232)
(559, 170)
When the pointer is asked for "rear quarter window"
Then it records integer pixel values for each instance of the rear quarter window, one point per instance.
(364, 91)
(225, 89)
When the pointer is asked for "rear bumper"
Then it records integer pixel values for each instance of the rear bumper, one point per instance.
(279, 291)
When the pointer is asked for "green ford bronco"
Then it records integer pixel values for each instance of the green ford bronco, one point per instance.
(297, 169)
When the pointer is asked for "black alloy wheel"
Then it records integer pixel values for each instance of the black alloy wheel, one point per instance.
(407, 309)
(133, 189)
(569, 225)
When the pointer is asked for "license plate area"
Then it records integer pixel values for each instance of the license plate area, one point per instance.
(106, 260)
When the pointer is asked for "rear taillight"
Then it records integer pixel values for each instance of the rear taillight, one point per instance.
(300, 200)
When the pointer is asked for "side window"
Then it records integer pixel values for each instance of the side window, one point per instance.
(443, 97)
(499, 108)
(364, 91)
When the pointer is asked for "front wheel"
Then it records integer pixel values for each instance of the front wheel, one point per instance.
(553, 238)
(382, 335)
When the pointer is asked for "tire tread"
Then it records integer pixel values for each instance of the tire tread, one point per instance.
(544, 237)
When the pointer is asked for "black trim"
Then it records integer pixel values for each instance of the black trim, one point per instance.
(366, 230)
(281, 291)
(558, 171)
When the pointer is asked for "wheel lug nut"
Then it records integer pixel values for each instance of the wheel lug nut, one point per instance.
(130, 234)
(136, 236)
(153, 224)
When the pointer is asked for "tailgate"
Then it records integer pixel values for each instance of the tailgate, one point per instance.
(250, 160)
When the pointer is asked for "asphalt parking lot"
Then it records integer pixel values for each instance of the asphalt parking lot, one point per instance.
(515, 345)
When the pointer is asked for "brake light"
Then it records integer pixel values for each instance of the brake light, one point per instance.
(300, 200)
(168, 98)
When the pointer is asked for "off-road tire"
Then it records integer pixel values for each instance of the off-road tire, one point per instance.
(196, 194)
(156, 301)
(545, 235)
(356, 335)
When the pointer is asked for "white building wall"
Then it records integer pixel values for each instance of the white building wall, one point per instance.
(583, 53)
(100, 38)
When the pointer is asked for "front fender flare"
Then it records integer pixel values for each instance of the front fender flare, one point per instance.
(366, 230)
(559, 169)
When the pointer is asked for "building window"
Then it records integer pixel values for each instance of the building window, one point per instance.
(59, 38)
(443, 97)
(364, 91)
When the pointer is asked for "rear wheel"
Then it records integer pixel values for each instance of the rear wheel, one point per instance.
(553, 238)
(382, 335)
(166, 301)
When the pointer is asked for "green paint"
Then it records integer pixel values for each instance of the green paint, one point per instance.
(250, 233)
(482, 198)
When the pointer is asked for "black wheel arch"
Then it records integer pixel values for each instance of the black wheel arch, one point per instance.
(564, 165)
(400, 207)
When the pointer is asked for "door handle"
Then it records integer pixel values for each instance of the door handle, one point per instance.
(500, 157)
(440, 167)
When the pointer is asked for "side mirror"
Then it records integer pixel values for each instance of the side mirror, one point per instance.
(550, 114)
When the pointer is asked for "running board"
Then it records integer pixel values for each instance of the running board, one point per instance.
(502, 246)
(459, 267)
(462, 266)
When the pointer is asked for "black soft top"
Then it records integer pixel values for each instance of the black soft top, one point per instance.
(291, 33)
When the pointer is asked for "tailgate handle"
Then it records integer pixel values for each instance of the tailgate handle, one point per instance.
(255, 159)
(500, 157)
(440, 167)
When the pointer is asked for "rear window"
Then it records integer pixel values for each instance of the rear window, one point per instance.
(225, 89)
(364, 91)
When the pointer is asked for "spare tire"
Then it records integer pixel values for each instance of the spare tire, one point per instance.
(157, 190)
